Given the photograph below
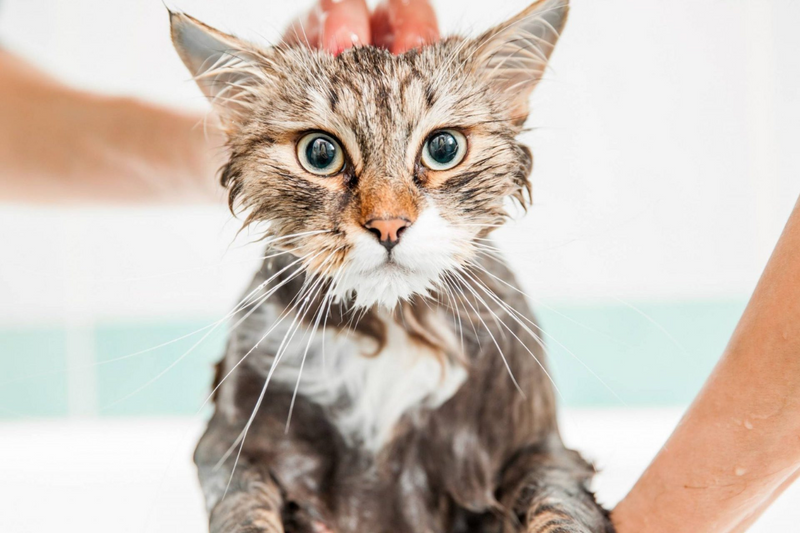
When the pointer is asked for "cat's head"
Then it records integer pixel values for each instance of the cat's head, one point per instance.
(380, 171)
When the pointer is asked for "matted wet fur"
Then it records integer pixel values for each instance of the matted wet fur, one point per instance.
(383, 372)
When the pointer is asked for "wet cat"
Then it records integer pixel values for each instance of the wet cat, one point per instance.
(383, 372)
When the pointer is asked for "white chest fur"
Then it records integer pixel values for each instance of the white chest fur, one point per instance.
(366, 395)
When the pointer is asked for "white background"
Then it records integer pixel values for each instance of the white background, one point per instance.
(665, 140)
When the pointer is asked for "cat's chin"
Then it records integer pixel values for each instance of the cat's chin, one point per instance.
(385, 286)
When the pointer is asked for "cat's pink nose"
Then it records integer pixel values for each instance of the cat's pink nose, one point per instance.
(387, 230)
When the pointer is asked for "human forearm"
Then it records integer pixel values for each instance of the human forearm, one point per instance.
(739, 443)
(61, 145)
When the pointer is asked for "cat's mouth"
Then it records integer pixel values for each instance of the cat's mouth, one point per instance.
(391, 265)
(373, 275)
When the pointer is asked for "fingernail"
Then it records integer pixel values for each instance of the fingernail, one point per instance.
(343, 39)
(407, 42)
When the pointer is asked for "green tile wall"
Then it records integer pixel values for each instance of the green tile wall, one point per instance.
(628, 352)
(172, 379)
(639, 363)
(32, 377)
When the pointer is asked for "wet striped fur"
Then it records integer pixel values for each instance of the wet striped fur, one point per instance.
(367, 387)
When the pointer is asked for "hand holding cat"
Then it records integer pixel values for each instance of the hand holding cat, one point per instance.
(336, 25)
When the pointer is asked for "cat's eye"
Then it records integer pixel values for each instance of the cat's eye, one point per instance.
(320, 154)
(444, 149)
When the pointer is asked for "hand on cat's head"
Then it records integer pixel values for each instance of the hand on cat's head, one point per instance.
(336, 25)
(383, 166)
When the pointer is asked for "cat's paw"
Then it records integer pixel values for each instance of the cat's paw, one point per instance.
(553, 522)
(558, 521)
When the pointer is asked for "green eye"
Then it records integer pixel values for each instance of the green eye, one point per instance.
(320, 154)
(444, 149)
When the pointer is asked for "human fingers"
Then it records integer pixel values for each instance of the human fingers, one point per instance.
(400, 25)
(332, 25)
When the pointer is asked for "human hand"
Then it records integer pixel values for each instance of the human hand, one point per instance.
(336, 25)
(60, 145)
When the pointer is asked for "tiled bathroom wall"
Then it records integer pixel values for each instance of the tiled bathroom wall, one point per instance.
(600, 355)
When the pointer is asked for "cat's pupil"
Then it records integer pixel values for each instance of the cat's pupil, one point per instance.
(321, 153)
(443, 147)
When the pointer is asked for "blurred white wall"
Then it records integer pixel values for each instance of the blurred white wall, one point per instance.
(665, 140)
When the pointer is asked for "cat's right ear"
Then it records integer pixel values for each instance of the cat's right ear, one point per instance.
(225, 68)
(514, 55)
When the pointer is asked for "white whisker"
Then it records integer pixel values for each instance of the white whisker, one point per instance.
(208, 267)
(308, 345)
(278, 321)
(539, 363)
(661, 328)
(276, 361)
(489, 331)
(195, 345)
(305, 299)
(516, 315)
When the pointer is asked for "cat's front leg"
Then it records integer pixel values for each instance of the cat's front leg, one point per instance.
(241, 495)
(548, 494)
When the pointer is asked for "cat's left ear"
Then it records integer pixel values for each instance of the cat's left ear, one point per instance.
(513, 56)
(225, 68)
